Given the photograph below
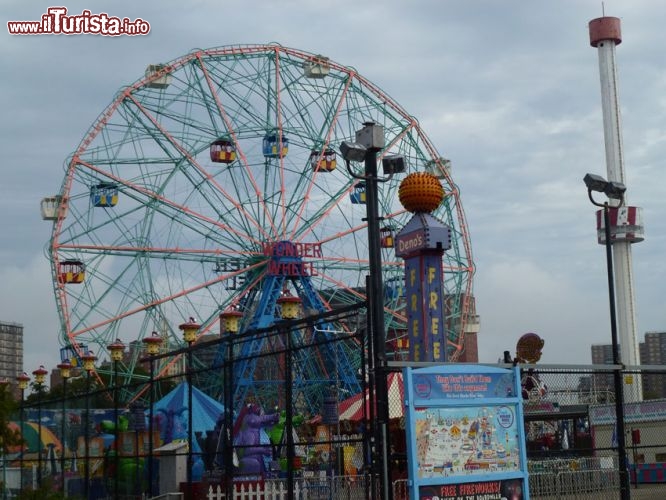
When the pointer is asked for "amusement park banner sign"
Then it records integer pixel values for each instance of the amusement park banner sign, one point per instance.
(643, 411)
(465, 438)
(469, 385)
(489, 490)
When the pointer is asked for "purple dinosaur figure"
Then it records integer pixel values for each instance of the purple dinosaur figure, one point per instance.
(247, 430)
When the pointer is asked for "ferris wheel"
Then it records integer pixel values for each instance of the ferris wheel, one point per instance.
(186, 187)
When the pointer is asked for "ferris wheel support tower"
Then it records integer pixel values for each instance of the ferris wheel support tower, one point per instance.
(626, 221)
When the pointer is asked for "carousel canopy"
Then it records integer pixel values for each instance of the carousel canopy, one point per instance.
(171, 414)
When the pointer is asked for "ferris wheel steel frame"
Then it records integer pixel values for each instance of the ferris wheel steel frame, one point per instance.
(315, 114)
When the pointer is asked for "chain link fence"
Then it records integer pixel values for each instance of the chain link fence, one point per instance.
(316, 422)
(291, 404)
(572, 436)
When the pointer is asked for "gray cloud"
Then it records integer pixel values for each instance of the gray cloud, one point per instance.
(508, 90)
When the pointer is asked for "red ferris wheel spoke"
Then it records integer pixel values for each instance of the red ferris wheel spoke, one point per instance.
(167, 202)
(232, 132)
(162, 300)
(209, 178)
(343, 286)
(306, 196)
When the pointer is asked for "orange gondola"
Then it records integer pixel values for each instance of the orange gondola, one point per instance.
(327, 163)
(222, 151)
(71, 272)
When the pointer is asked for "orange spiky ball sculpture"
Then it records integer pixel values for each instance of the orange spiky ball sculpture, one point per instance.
(420, 192)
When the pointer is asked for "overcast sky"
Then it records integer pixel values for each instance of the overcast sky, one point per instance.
(508, 90)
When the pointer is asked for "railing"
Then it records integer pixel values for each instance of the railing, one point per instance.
(327, 488)
(581, 484)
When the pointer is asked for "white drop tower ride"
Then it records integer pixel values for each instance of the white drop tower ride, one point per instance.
(626, 221)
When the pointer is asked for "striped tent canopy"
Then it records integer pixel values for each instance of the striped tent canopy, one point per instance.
(352, 408)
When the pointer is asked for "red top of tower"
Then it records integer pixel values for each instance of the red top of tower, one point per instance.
(605, 28)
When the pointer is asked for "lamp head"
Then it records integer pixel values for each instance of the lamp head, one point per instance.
(117, 349)
(353, 151)
(595, 182)
(371, 136)
(40, 375)
(615, 190)
(23, 380)
(65, 369)
(153, 343)
(393, 164)
(88, 360)
(189, 329)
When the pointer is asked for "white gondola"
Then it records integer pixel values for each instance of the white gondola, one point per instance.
(318, 67)
(160, 82)
(433, 167)
(52, 208)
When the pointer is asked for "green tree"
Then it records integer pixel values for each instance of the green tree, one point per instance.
(8, 437)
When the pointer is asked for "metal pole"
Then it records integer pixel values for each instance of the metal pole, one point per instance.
(62, 437)
(39, 436)
(22, 416)
(137, 470)
(376, 306)
(189, 422)
(151, 397)
(86, 437)
(116, 458)
(228, 451)
(289, 414)
(367, 378)
(4, 474)
(625, 493)
(4, 384)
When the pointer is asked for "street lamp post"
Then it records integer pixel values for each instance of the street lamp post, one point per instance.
(117, 350)
(190, 329)
(614, 191)
(40, 377)
(65, 372)
(4, 385)
(369, 141)
(88, 360)
(22, 381)
(231, 324)
(153, 344)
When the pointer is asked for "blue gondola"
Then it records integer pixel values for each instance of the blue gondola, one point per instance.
(272, 147)
(104, 194)
(358, 194)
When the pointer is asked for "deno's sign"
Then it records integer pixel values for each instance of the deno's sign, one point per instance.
(409, 243)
